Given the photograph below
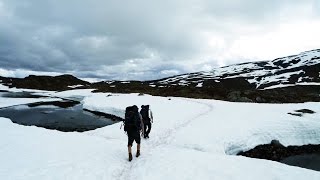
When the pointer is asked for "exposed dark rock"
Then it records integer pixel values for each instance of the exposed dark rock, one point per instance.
(236, 96)
(61, 104)
(295, 114)
(260, 100)
(275, 151)
(277, 143)
(305, 111)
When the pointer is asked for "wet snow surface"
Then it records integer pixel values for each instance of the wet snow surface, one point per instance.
(190, 139)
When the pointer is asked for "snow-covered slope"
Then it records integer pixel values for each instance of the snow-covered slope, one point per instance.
(190, 139)
(301, 69)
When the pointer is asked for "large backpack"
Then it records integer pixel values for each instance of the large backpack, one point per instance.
(145, 113)
(132, 119)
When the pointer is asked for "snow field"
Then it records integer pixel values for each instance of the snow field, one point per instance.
(196, 145)
(190, 139)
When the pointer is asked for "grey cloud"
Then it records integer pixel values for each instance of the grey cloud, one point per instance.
(250, 10)
(85, 37)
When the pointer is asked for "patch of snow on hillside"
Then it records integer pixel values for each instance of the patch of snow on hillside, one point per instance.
(75, 86)
(183, 83)
(252, 70)
(309, 83)
(234, 68)
(280, 78)
(199, 85)
(289, 85)
(109, 82)
(305, 58)
(278, 86)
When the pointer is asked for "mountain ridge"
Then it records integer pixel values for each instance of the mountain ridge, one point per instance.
(307, 63)
(294, 78)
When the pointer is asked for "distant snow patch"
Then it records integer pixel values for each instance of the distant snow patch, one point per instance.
(308, 83)
(288, 85)
(109, 82)
(75, 86)
(199, 85)
(252, 81)
(279, 86)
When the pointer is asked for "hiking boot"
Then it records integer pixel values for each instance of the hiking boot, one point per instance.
(138, 153)
(130, 157)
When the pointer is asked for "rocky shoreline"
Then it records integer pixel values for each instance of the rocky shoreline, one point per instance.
(275, 151)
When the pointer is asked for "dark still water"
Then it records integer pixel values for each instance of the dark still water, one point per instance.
(22, 94)
(305, 156)
(309, 161)
(54, 117)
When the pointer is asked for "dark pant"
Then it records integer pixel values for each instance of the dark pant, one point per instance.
(147, 129)
(133, 136)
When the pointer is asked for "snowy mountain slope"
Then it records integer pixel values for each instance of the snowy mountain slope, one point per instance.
(291, 70)
(190, 139)
(292, 79)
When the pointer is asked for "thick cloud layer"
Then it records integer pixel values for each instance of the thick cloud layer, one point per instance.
(144, 39)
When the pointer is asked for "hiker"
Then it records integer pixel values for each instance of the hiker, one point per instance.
(133, 124)
(147, 118)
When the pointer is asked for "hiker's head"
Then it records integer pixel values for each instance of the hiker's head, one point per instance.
(135, 108)
(144, 106)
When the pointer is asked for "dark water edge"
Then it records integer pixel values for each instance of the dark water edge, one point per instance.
(106, 115)
(23, 94)
(308, 161)
(306, 156)
(66, 116)
(61, 104)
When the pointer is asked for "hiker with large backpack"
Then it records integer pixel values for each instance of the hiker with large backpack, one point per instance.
(147, 118)
(133, 124)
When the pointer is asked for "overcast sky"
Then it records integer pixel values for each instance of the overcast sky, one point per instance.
(144, 39)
